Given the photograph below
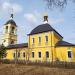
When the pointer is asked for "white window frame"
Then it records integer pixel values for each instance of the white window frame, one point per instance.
(34, 54)
(48, 52)
(70, 59)
(23, 54)
(45, 39)
(38, 40)
(32, 40)
(38, 54)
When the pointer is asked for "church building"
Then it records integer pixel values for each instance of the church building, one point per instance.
(44, 44)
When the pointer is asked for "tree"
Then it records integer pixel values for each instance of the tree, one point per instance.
(2, 51)
(57, 3)
(28, 54)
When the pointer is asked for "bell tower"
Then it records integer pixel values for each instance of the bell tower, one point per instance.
(10, 32)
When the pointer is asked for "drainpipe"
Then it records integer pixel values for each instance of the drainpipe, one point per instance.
(51, 47)
(16, 56)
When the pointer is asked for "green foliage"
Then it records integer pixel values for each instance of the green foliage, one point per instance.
(2, 51)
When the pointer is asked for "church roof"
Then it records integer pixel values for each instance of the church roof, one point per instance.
(64, 43)
(43, 28)
(11, 21)
(17, 46)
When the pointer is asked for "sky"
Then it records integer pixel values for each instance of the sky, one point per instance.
(29, 13)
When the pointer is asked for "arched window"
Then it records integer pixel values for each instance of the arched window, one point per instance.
(47, 54)
(46, 39)
(6, 29)
(12, 30)
(18, 54)
(32, 54)
(39, 54)
(39, 39)
(14, 55)
(33, 40)
(23, 54)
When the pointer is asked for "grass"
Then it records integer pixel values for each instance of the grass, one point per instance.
(12, 69)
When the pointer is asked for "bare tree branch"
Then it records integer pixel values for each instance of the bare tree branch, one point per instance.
(57, 3)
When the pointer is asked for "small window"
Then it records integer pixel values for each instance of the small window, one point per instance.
(47, 54)
(23, 54)
(12, 42)
(39, 54)
(32, 54)
(39, 39)
(12, 29)
(33, 40)
(6, 29)
(46, 38)
(69, 54)
(18, 54)
(14, 55)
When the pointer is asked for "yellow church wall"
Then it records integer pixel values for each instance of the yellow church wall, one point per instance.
(36, 37)
(23, 50)
(52, 40)
(59, 52)
(56, 38)
(62, 53)
(43, 50)
(54, 53)
(10, 53)
(43, 54)
(73, 52)
(43, 46)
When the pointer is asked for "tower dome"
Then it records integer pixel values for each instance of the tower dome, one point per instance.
(11, 21)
